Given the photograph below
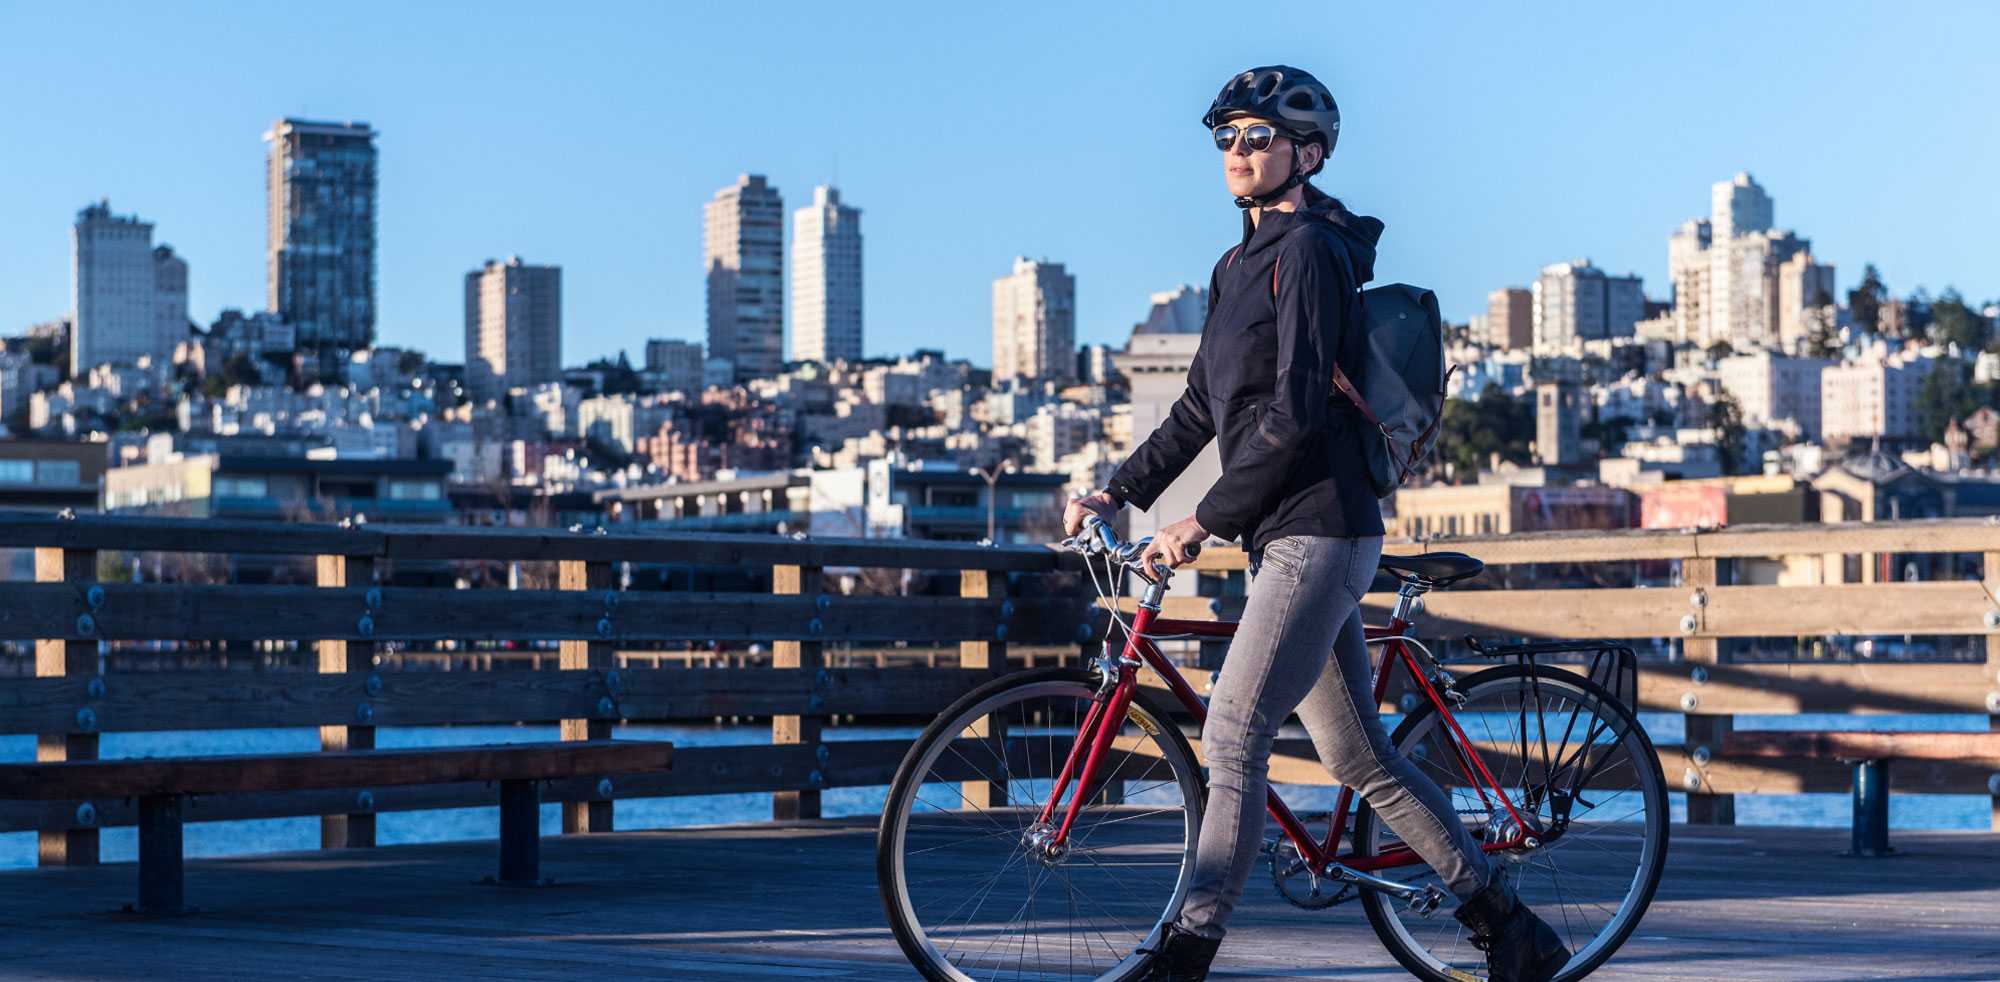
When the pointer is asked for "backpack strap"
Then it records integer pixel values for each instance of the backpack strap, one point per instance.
(1340, 380)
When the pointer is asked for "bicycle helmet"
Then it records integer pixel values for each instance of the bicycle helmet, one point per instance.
(1294, 100)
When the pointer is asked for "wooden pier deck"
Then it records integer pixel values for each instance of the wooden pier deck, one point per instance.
(798, 901)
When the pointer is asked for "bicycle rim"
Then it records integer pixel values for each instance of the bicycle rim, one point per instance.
(967, 896)
(1591, 881)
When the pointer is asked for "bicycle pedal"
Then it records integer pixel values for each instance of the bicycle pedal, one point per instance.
(1427, 902)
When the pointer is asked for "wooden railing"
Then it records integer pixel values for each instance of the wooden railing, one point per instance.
(356, 607)
(1698, 605)
(69, 613)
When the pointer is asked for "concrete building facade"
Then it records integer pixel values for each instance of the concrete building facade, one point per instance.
(1034, 322)
(1575, 301)
(1870, 399)
(1510, 318)
(1772, 389)
(513, 327)
(129, 297)
(320, 188)
(743, 251)
(826, 279)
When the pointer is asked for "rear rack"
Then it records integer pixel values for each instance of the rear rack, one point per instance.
(1613, 664)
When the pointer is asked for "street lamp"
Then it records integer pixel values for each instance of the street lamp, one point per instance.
(992, 478)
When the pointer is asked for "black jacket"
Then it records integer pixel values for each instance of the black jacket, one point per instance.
(1261, 382)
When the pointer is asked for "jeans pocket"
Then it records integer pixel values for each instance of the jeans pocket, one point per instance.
(1284, 556)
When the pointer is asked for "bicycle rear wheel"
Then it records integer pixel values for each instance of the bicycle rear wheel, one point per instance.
(1578, 767)
(966, 890)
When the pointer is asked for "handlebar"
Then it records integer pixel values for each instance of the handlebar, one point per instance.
(1098, 538)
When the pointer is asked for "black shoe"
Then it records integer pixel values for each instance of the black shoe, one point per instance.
(1180, 957)
(1519, 946)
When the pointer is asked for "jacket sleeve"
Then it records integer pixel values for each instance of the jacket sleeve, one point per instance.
(1312, 304)
(1174, 443)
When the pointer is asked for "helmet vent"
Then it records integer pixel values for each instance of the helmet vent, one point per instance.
(1301, 99)
(1265, 85)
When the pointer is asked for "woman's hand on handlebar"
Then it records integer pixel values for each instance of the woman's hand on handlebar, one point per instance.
(1175, 545)
(1099, 504)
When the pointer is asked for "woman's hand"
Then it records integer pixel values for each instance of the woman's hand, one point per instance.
(1099, 504)
(1173, 544)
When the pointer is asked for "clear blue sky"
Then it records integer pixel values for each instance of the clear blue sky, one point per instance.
(1492, 139)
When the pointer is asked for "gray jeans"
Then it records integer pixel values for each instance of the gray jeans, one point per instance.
(1305, 603)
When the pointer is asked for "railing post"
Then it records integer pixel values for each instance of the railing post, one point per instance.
(600, 655)
(810, 656)
(1698, 576)
(1229, 606)
(56, 657)
(990, 655)
(354, 830)
(1992, 572)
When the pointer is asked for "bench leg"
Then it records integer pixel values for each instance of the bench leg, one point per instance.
(160, 879)
(1871, 809)
(520, 833)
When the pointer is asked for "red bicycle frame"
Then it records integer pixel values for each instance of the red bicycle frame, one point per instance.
(1101, 724)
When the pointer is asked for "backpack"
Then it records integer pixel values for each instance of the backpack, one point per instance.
(1402, 379)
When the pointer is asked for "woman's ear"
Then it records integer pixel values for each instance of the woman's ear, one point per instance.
(1310, 157)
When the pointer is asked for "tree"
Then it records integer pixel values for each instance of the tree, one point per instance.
(1947, 394)
(1865, 300)
(1953, 322)
(1725, 417)
(1470, 431)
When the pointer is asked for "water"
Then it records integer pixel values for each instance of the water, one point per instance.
(17, 849)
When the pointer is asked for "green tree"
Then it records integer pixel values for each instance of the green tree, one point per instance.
(1865, 300)
(1952, 321)
(1471, 431)
(1947, 394)
(1725, 417)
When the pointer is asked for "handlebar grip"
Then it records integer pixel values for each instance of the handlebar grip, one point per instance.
(1193, 549)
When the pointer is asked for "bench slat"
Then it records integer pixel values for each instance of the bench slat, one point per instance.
(1857, 745)
(338, 769)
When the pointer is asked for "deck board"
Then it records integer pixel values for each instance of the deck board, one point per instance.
(798, 901)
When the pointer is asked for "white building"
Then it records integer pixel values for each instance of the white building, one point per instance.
(1034, 322)
(1772, 389)
(130, 298)
(1737, 279)
(1181, 310)
(743, 252)
(1805, 298)
(1869, 399)
(513, 327)
(826, 279)
(1155, 366)
(1576, 301)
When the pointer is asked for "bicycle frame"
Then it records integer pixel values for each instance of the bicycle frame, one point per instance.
(1100, 725)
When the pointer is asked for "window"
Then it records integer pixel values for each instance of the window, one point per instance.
(415, 491)
(241, 487)
(17, 471)
(58, 472)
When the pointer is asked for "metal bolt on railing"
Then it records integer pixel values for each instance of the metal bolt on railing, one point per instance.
(607, 707)
(1689, 623)
(365, 626)
(1699, 598)
(604, 787)
(364, 713)
(94, 596)
(364, 801)
(1689, 701)
(372, 684)
(1699, 675)
(1702, 756)
(1691, 780)
(86, 720)
(96, 688)
(86, 624)
(86, 815)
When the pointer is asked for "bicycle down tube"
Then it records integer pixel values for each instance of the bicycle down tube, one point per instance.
(1101, 723)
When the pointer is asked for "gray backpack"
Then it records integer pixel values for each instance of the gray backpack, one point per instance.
(1401, 389)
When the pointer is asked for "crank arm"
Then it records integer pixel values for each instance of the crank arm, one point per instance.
(1422, 901)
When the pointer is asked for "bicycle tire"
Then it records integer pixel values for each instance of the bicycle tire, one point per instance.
(891, 833)
(1646, 881)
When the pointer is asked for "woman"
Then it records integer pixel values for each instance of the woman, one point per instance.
(1294, 486)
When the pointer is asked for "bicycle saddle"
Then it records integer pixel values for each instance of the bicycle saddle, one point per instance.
(1438, 568)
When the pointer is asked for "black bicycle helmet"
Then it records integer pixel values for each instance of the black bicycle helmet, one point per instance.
(1289, 97)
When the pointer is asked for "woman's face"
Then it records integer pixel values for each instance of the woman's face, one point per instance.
(1250, 172)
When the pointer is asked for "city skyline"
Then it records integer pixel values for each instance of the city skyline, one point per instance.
(1472, 202)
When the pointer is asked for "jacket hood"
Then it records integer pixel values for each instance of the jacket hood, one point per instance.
(1360, 233)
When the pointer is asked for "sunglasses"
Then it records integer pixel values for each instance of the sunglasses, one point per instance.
(1256, 136)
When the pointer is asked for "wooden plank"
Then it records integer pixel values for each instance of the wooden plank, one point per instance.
(74, 739)
(806, 657)
(1705, 729)
(989, 656)
(1945, 607)
(1781, 688)
(598, 656)
(355, 660)
(1965, 747)
(137, 777)
(224, 699)
(131, 533)
(152, 611)
(1991, 682)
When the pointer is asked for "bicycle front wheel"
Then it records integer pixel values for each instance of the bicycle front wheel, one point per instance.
(969, 888)
(1584, 776)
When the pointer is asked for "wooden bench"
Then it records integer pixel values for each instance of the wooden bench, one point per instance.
(162, 786)
(1870, 753)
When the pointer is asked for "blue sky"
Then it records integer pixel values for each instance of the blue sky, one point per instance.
(1491, 138)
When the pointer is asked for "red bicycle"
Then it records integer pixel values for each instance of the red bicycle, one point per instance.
(1044, 826)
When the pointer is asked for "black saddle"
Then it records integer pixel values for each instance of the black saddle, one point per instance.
(1436, 568)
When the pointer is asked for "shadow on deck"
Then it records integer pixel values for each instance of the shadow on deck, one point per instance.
(798, 900)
